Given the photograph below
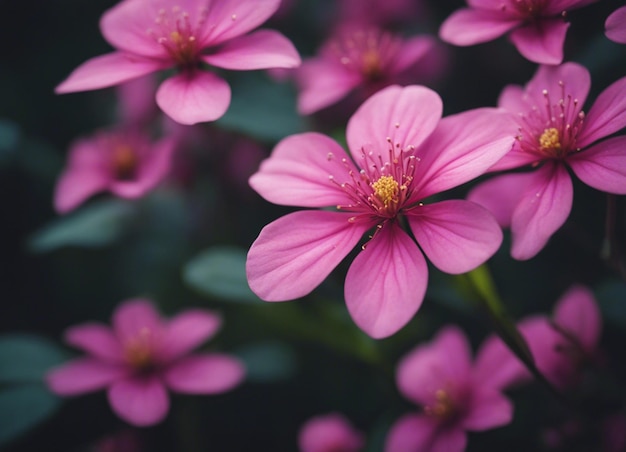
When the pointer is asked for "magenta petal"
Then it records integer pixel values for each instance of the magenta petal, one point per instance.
(496, 367)
(107, 70)
(140, 401)
(606, 116)
(500, 195)
(467, 27)
(187, 331)
(228, 19)
(543, 208)
(488, 409)
(411, 433)
(322, 83)
(616, 25)
(406, 116)
(385, 284)
(331, 432)
(462, 147)
(602, 166)
(259, 50)
(577, 313)
(76, 185)
(299, 171)
(541, 41)
(412, 51)
(204, 374)
(449, 439)
(571, 77)
(190, 98)
(97, 340)
(295, 253)
(457, 236)
(135, 317)
(83, 375)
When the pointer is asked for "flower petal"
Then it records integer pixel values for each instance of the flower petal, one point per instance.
(412, 51)
(329, 432)
(299, 172)
(140, 401)
(385, 284)
(295, 253)
(187, 331)
(577, 313)
(543, 208)
(190, 98)
(84, 375)
(411, 432)
(442, 363)
(566, 80)
(322, 83)
(602, 166)
(228, 19)
(606, 116)
(406, 116)
(205, 374)
(541, 41)
(108, 70)
(462, 147)
(134, 316)
(259, 50)
(457, 236)
(97, 340)
(496, 367)
(488, 409)
(616, 25)
(466, 27)
(76, 184)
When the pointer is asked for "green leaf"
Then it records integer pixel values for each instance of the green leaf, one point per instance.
(267, 361)
(27, 358)
(9, 139)
(262, 108)
(220, 272)
(23, 407)
(612, 300)
(97, 224)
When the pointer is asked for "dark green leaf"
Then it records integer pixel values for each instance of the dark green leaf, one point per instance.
(27, 358)
(612, 301)
(267, 362)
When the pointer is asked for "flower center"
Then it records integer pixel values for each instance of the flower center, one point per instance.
(443, 408)
(138, 350)
(386, 189)
(549, 140)
(125, 162)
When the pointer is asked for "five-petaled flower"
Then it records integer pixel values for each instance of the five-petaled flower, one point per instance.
(439, 377)
(141, 356)
(537, 27)
(554, 133)
(401, 153)
(150, 35)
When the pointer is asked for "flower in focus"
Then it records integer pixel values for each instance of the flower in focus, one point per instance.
(561, 345)
(616, 25)
(537, 27)
(142, 356)
(363, 57)
(555, 133)
(151, 35)
(123, 162)
(439, 377)
(329, 433)
(401, 153)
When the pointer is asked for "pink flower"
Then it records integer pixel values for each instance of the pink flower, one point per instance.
(329, 433)
(616, 25)
(362, 57)
(380, 12)
(150, 35)
(401, 153)
(141, 356)
(561, 346)
(537, 27)
(554, 133)
(123, 162)
(439, 377)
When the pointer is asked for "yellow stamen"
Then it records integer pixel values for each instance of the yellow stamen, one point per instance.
(137, 350)
(371, 64)
(549, 140)
(386, 189)
(124, 161)
(176, 37)
(442, 408)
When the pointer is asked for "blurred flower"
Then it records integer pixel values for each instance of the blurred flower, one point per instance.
(439, 377)
(537, 27)
(379, 12)
(555, 133)
(136, 104)
(616, 25)
(329, 433)
(614, 433)
(367, 58)
(561, 346)
(151, 35)
(141, 356)
(122, 441)
(123, 162)
(403, 153)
